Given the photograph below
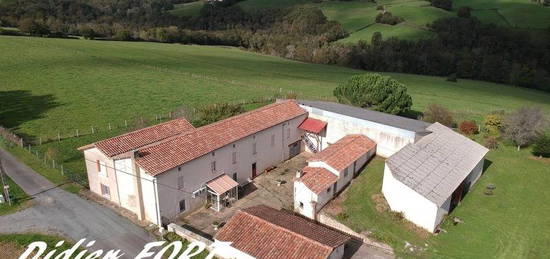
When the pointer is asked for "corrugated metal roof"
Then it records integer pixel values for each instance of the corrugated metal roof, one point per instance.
(369, 115)
(436, 164)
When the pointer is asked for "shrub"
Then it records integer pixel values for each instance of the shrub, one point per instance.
(452, 78)
(542, 146)
(215, 112)
(468, 127)
(388, 18)
(491, 143)
(374, 91)
(464, 12)
(492, 124)
(437, 113)
(443, 4)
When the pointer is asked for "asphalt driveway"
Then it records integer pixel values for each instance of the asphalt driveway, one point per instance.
(57, 211)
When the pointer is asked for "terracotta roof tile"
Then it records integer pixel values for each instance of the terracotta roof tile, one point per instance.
(142, 137)
(222, 184)
(313, 125)
(267, 233)
(345, 151)
(181, 149)
(317, 179)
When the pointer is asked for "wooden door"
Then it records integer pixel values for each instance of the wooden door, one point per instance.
(254, 172)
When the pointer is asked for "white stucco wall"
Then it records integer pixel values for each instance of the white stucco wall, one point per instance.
(198, 171)
(95, 179)
(306, 197)
(414, 206)
(125, 176)
(388, 139)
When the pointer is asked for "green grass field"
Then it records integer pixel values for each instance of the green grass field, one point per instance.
(517, 13)
(187, 9)
(59, 85)
(18, 198)
(513, 223)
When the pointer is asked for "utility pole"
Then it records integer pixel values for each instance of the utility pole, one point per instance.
(5, 186)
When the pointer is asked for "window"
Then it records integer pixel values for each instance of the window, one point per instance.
(272, 140)
(105, 191)
(234, 157)
(235, 177)
(328, 190)
(288, 133)
(346, 172)
(180, 182)
(102, 168)
(233, 145)
(213, 166)
(254, 148)
(179, 168)
(182, 205)
(301, 205)
(213, 153)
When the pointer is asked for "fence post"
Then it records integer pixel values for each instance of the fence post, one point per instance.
(58, 136)
(40, 141)
(53, 163)
(21, 142)
(62, 171)
(126, 123)
(109, 126)
(77, 133)
(93, 130)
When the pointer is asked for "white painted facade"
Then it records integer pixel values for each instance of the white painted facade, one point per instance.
(308, 203)
(415, 207)
(161, 196)
(388, 139)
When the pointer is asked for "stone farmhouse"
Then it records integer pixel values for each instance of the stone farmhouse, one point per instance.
(172, 168)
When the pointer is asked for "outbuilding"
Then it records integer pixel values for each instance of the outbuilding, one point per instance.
(428, 179)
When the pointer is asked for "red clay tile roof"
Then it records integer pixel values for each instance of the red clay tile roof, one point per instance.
(222, 184)
(267, 233)
(142, 137)
(345, 151)
(181, 149)
(317, 179)
(313, 125)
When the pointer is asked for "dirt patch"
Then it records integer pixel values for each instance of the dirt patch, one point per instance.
(10, 250)
(380, 202)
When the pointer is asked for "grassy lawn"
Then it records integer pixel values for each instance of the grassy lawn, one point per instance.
(187, 9)
(519, 13)
(510, 224)
(401, 31)
(60, 85)
(18, 198)
(15, 244)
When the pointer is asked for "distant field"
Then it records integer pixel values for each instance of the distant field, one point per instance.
(187, 9)
(518, 13)
(59, 85)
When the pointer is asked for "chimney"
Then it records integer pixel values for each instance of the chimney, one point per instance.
(299, 174)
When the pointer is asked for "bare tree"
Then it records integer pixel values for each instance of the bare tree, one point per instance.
(523, 126)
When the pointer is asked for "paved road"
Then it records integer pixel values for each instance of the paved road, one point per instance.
(58, 211)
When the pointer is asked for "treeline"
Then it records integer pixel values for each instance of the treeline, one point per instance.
(462, 47)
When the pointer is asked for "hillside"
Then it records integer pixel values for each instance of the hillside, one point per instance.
(358, 16)
(93, 83)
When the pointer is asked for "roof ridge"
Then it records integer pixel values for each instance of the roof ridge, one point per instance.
(288, 230)
(146, 128)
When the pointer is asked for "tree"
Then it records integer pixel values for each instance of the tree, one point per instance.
(493, 123)
(376, 92)
(438, 113)
(542, 146)
(443, 4)
(464, 12)
(523, 126)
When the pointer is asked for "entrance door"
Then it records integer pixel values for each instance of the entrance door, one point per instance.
(335, 187)
(457, 195)
(294, 149)
(254, 173)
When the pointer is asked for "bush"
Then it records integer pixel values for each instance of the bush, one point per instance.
(388, 18)
(443, 4)
(452, 78)
(464, 12)
(492, 124)
(215, 112)
(541, 146)
(437, 113)
(491, 143)
(468, 127)
(374, 91)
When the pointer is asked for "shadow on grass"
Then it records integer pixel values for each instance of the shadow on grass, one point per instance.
(19, 106)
